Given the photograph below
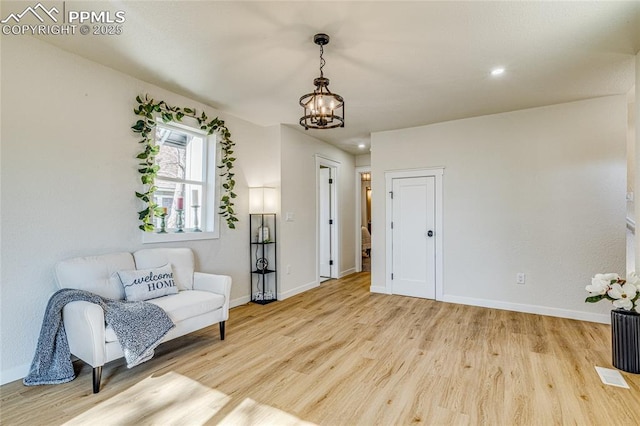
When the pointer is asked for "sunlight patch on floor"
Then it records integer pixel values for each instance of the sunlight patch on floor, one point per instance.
(250, 412)
(167, 399)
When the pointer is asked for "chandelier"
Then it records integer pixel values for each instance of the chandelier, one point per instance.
(322, 109)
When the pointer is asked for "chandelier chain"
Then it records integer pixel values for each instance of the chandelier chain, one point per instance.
(322, 61)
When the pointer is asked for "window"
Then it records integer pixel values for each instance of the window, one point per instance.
(186, 187)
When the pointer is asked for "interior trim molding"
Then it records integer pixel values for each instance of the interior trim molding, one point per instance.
(335, 213)
(347, 272)
(378, 289)
(233, 303)
(297, 290)
(529, 309)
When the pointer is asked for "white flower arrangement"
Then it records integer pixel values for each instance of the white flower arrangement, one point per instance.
(624, 294)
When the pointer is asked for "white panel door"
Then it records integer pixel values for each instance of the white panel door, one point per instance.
(324, 216)
(413, 237)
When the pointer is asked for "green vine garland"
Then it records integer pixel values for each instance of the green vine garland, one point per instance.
(149, 109)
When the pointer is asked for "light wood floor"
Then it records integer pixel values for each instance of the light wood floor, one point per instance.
(339, 355)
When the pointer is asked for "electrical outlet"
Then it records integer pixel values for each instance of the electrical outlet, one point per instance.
(288, 269)
(520, 278)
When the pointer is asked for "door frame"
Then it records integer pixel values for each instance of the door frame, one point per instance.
(358, 204)
(437, 173)
(335, 242)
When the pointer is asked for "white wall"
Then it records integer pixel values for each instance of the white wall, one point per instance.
(298, 247)
(539, 191)
(637, 161)
(363, 160)
(69, 176)
(631, 152)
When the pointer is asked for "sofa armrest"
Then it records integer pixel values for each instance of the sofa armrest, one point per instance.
(85, 328)
(220, 284)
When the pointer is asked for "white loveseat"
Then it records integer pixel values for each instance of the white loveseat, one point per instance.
(203, 300)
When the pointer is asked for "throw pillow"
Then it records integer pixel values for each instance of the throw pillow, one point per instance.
(145, 284)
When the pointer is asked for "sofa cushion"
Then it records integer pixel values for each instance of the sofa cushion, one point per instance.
(181, 260)
(182, 306)
(188, 304)
(145, 284)
(96, 274)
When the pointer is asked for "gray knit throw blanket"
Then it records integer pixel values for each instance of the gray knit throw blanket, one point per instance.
(139, 326)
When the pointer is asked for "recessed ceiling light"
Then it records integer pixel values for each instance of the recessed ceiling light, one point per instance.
(497, 71)
(361, 145)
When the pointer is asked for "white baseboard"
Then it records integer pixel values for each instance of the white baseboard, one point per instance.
(347, 272)
(239, 301)
(13, 374)
(378, 289)
(529, 309)
(300, 289)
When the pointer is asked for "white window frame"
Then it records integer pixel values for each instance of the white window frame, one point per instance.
(211, 192)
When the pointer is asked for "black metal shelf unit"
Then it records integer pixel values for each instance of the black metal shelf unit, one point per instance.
(263, 257)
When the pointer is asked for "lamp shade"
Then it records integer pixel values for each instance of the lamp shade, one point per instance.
(262, 200)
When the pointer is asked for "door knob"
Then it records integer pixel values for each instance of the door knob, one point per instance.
(429, 233)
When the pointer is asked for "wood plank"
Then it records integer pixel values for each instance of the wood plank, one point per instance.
(339, 355)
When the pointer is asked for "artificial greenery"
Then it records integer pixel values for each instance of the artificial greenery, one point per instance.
(149, 110)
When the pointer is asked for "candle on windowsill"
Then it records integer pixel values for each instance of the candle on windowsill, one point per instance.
(180, 203)
(194, 197)
(164, 211)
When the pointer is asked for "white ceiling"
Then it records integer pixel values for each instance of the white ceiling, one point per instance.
(397, 64)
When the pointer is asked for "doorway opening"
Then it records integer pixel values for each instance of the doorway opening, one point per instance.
(363, 219)
(327, 222)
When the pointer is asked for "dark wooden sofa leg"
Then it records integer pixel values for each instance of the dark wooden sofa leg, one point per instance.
(97, 375)
(221, 330)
